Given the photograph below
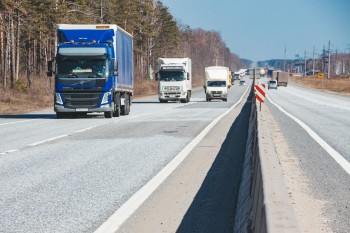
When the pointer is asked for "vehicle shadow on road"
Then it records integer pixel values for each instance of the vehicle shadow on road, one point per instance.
(147, 102)
(29, 116)
(51, 116)
(214, 206)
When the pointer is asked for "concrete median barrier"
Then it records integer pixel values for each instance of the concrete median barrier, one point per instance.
(263, 202)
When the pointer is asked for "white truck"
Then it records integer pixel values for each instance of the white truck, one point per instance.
(174, 78)
(282, 78)
(242, 72)
(216, 82)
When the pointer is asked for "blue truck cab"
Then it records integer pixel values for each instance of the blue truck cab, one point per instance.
(93, 70)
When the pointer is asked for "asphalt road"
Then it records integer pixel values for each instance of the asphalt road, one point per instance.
(324, 153)
(71, 175)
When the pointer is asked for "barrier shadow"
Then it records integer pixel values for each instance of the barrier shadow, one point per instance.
(214, 206)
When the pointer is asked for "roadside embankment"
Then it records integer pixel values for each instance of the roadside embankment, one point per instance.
(263, 202)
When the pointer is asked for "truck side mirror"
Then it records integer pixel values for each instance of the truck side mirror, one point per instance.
(156, 76)
(188, 76)
(115, 64)
(49, 69)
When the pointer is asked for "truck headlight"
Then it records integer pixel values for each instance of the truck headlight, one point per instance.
(105, 98)
(58, 98)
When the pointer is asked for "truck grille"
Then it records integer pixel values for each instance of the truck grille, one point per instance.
(216, 92)
(82, 100)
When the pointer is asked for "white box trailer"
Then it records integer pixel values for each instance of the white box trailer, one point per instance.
(216, 82)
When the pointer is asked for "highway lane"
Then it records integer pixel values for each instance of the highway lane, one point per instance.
(327, 115)
(70, 175)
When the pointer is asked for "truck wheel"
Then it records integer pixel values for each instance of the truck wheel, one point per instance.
(116, 112)
(125, 109)
(128, 105)
(163, 101)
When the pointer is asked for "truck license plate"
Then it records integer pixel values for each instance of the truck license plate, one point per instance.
(81, 109)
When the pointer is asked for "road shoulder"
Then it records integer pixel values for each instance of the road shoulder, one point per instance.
(307, 208)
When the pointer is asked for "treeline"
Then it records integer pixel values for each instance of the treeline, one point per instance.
(27, 36)
(279, 64)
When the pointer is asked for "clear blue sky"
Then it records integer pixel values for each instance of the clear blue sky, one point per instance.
(260, 29)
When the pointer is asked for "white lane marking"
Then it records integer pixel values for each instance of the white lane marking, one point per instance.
(48, 140)
(319, 99)
(14, 122)
(62, 136)
(66, 135)
(130, 206)
(84, 130)
(333, 153)
(8, 152)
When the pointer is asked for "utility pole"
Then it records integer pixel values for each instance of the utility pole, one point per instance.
(305, 63)
(349, 60)
(285, 50)
(313, 62)
(329, 59)
(335, 63)
(297, 63)
(324, 61)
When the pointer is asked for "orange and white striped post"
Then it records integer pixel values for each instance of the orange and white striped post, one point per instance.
(259, 90)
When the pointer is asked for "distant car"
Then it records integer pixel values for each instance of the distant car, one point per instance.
(272, 84)
(242, 83)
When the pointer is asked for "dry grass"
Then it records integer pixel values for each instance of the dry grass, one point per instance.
(334, 84)
(145, 87)
(22, 99)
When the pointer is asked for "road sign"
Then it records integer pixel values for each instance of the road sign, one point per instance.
(320, 75)
(260, 92)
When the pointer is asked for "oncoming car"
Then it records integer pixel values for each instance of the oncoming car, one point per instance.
(242, 83)
(272, 84)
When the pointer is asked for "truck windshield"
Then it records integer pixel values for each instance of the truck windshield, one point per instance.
(171, 76)
(82, 67)
(216, 83)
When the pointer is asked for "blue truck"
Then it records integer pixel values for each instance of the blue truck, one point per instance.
(93, 70)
